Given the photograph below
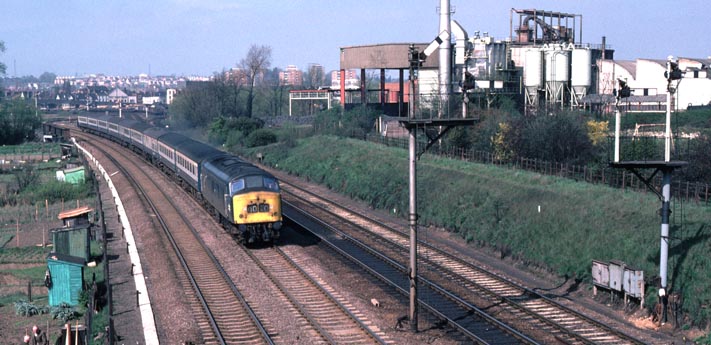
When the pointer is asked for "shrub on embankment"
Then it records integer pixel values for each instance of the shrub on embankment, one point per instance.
(499, 207)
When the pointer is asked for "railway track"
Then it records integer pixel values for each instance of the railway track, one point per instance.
(222, 314)
(473, 322)
(314, 299)
(528, 311)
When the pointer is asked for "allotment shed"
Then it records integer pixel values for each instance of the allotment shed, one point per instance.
(66, 274)
(76, 217)
(72, 241)
(73, 175)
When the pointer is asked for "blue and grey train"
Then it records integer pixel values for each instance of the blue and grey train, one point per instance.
(245, 199)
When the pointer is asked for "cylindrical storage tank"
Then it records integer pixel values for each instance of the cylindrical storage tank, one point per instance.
(533, 61)
(557, 65)
(581, 73)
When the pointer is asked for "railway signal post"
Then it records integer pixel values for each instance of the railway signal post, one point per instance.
(434, 129)
(665, 166)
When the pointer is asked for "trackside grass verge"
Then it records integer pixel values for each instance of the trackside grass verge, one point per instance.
(544, 221)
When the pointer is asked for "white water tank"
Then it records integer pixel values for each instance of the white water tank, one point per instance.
(533, 63)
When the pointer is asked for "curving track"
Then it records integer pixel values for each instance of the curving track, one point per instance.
(526, 310)
(223, 316)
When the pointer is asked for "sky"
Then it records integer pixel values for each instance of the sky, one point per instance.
(201, 37)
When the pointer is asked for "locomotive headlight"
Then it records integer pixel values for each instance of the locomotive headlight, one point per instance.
(241, 215)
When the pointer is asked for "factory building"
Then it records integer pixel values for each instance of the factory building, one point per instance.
(543, 63)
(648, 86)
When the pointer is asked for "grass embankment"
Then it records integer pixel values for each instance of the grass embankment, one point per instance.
(498, 207)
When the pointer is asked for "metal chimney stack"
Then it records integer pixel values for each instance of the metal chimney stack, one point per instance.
(445, 56)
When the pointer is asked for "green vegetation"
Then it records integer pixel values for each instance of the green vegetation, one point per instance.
(32, 148)
(64, 312)
(26, 255)
(28, 309)
(17, 122)
(690, 120)
(33, 183)
(497, 207)
(34, 274)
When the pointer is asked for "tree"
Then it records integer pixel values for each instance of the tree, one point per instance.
(3, 68)
(699, 164)
(314, 76)
(197, 106)
(276, 92)
(17, 122)
(47, 77)
(561, 137)
(257, 60)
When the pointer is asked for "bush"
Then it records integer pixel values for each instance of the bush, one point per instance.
(55, 191)
(260, 137)
(354, 123)
(64, 312)
(223, 129)
(25, 308)
(561, 137)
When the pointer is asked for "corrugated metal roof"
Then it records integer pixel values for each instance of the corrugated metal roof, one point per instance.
(388, 56)
(629, 66)
(75, 212)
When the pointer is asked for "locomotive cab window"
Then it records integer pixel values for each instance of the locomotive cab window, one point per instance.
(254, 182)
(271, 184)
(236, 186)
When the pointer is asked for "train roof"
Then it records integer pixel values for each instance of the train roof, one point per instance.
(228, 167)
(109, 118)
(155, 132)
(127, 123)
(172, 139)
(137, 125)
(99, 117)
(197, 151)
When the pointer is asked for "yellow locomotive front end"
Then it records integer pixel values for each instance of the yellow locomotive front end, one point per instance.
(257, 213)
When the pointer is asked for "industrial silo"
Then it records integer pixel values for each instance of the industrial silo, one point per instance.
(557, 76)
(533, 74)
(581, 73)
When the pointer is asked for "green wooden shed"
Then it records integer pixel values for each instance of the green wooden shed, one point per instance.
(72, 175)
(72, 241)
(66, 274)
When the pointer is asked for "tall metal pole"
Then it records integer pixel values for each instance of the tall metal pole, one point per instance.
(667, 132)
(413, 231)
(445, 57)
(412, 212)
(664, 251)
(618, 118)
